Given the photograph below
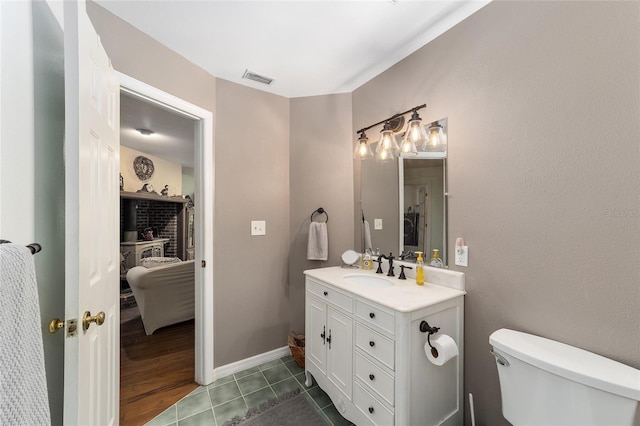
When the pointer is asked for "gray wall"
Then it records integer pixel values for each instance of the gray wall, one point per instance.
(543, 106)
(321, 176)
(32, 167)
(48, 50)
(252, 183)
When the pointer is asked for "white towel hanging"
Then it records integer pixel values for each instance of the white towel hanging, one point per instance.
(23, 384)
(367, 235)
(318, 244)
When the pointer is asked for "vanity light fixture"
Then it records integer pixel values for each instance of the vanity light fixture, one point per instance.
(363, 149)
(145, 132)
(387, 147)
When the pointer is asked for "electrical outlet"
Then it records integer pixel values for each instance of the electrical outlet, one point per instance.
(462, 255)
(258, 227)
(377, 224)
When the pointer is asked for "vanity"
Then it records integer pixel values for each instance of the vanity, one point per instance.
(365, 349)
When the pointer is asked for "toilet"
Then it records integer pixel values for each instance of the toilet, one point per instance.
(545, 383)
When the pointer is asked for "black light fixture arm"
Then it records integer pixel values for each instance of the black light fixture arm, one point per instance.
(414, 109)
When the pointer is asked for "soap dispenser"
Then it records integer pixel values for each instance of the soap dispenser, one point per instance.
(367, 262)
(419, 269)
(435, 261)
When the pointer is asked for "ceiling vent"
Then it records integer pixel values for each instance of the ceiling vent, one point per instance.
(257, 77)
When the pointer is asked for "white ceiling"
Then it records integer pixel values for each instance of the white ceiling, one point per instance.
(173, 137)
(308, 47)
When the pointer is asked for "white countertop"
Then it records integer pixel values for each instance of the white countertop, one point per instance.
(403, 296)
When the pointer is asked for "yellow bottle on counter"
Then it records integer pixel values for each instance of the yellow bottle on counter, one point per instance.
(367, 262)
(419, 269)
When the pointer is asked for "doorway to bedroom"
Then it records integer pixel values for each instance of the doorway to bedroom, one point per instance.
(160, 185)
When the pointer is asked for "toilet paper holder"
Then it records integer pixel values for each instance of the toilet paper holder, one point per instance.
(426, 328)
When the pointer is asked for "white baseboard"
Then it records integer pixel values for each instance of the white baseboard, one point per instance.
(254, 361)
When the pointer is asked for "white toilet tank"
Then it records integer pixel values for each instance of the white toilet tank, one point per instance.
(548, 383)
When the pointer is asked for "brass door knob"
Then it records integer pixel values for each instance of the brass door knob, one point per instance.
(55, 325)
(87, 319)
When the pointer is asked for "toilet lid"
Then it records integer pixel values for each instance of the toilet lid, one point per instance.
(569, 362)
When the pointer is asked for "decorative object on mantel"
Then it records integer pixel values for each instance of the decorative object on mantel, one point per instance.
(148, 188)
(165, 191)
(143, 167)
(121, 182)
(147, 234)
(189, 201)
(144, 195)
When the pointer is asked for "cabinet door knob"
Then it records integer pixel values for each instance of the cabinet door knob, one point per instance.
(371, 377)
(371, 410)
(372, 315)
(326, 293)
(372, 343)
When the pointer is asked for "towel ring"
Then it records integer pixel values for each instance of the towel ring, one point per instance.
(320, 211)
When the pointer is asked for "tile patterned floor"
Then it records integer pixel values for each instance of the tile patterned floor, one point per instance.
(233, 395)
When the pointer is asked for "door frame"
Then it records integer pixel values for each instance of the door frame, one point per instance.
(204, 194)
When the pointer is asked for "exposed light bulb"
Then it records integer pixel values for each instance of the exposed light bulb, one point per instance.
(387, 140)
(436, 141)
(415, 135)
(363, 150)
(384, 155)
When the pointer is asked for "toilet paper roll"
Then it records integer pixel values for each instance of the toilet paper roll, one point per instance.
(443, 349)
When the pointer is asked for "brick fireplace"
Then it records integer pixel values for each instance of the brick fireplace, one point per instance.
(161, 216)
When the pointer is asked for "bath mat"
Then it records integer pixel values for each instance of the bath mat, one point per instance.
(289, 409)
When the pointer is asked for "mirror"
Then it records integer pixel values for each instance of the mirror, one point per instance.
(422, 201)
(385, 206)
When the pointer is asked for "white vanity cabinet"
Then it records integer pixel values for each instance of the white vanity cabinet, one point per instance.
(366, 351)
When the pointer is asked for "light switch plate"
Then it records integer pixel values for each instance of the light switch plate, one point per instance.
(377, 224)
(258, 227)
(462, 255)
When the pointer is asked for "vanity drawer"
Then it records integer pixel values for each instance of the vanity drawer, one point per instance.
(375, 378)
(330, 295)
(376, 316)
(371, 407)
(376, 345)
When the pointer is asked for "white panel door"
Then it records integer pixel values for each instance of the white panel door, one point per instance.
(92, 162)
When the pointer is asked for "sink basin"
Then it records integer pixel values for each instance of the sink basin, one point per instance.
(369, 281)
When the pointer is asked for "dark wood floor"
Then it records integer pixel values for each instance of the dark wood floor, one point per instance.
(155, 371)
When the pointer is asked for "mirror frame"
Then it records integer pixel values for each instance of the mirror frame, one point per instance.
(424, 156)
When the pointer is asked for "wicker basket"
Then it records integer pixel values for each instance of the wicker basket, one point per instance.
(296, 345)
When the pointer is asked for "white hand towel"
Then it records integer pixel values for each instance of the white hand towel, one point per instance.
(367, 235)
(23, 384)
(318, 244)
